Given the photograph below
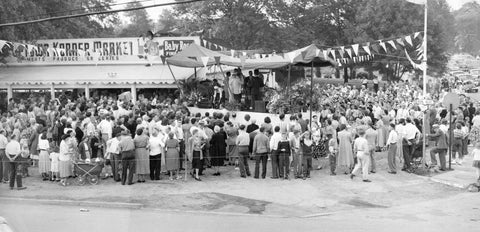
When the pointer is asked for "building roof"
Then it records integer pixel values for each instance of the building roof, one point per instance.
(101, 76)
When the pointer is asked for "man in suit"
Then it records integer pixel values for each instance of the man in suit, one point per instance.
(441, 147)
(126, 148)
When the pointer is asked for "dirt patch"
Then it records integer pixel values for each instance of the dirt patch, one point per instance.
(359, 203)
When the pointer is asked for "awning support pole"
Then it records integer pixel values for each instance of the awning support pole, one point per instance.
(176, 82)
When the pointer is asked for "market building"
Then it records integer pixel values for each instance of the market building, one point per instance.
(88, 64)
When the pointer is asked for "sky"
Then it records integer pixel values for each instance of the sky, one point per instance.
(156, 11)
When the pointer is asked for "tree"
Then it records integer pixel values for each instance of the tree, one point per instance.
(20, 10)
(139, 22)
(467, 23)
(385, 19)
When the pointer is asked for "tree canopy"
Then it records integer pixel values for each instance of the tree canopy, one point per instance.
(467, 23)
(19, 10)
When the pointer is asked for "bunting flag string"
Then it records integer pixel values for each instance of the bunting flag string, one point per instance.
(355, 48)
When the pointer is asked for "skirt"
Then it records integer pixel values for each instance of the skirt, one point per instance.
(172, 159)
(43, 162)
(196, 162)
(476, 163)
(65, 168)
(142, 157)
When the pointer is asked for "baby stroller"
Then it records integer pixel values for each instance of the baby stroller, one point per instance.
(87, 171)
(417, 155)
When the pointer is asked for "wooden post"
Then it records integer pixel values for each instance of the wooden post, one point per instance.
(450, 139)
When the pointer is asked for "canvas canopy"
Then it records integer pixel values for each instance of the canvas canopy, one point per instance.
(196, 56)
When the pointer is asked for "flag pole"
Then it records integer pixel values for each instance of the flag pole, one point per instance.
(425, 38)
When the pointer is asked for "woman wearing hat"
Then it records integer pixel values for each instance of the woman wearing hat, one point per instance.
(142, 156)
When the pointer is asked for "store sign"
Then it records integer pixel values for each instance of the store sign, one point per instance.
(97, 51)
(172, 47)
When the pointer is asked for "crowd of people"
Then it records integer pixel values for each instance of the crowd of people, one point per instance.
(152, 137)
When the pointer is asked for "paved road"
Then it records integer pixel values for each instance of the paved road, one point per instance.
(458, 213)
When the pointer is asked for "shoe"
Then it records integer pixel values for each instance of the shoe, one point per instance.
(198, 179)
(442, 169)
(11, 188)
(333, 174)
(352, 176)
(21, 188)
(255, 177)
(304, 178)
(392, 172)
(373, 172)
(130, 183)
(243, 176)
(248, 174)
(367, 181)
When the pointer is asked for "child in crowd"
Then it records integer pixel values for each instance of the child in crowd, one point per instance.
(476, 159)
(25, 155)
(332, 153)
(54, 164)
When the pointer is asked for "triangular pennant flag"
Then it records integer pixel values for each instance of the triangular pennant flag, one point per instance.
(325, 53)
(382, 44)
(342, 48)
(204, 43)
(400, 41)
(421, 66)
(217, 60)
(304, 53)
(391, 42)
(349, 51)
(244, 53)
(355, 49)
(163, 59)
(409, 40)
(193, 58)
(341, 52)
(317, 52)
(333, 54)
(257, 56)
(204, 60)
(354, 59)
(375, 48)
(416, 35)
(232, 52)
(366, 48)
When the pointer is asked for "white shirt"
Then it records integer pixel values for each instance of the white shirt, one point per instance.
(402, 113)
(361, 145)
(112, 146)
(13, 148)
(156, 144)
(392, 137)
(276, 137)
(3, 141)
(476, 154)
(105, 127)
(476, 120)
(43, 144)
(410, 131)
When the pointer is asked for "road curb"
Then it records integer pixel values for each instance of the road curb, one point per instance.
(77, 203)
(449, 183)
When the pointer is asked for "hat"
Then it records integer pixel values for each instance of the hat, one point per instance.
(435, 126)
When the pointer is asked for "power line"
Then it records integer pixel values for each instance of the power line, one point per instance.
(79, 9)
(96, 13)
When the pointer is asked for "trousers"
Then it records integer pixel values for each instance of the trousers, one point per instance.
(362, 164)
(275, 159)
(4, 166)
(263, 158)
(333, 163)
(155, 166)
(441, 155)
(15, 173)
(307, 164)
(284, 164)
(243, 160)
(115, 162)
(373, 167)
(392, 153)
(128, 166)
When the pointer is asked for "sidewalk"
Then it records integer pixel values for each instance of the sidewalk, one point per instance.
(460, 177)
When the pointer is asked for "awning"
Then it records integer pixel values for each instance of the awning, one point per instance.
(95, 76)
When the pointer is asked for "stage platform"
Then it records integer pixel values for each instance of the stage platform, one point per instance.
(259, 117)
